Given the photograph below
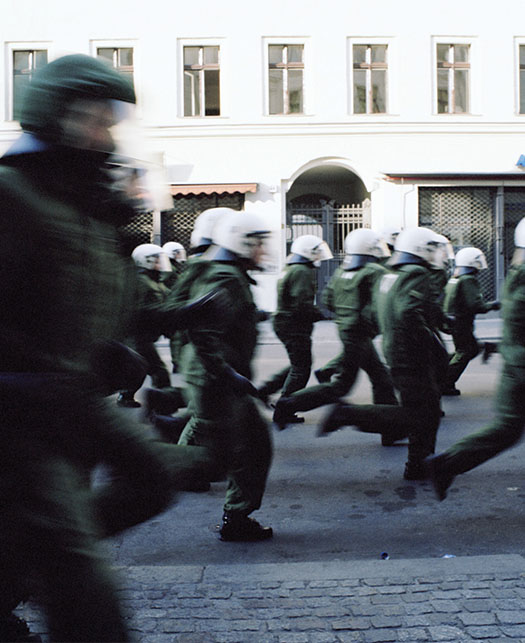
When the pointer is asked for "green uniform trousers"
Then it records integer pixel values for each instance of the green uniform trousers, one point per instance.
(417, 416)
(294, 377)
(357, 354)
(504, 432)
(466, 348)
(231, 427)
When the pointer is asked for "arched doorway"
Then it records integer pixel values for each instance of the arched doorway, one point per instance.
(328, 200)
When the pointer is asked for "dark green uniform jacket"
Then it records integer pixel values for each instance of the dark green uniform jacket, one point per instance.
(85, 289)
(151, 294)
(405, 313)
(226, 341)
(295, 299)
(349, 296)
(512, 346)
(464, 300)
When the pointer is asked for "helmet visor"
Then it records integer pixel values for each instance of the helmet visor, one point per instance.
(263, 251)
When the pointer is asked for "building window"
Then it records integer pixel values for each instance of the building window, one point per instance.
(453, 68)
(25, 62)
(522, 79)
(120, 58)
(201, 81)
(285, 79)
(369, 82)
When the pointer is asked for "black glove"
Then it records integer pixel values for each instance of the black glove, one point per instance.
(212, 306)
(494, 305)
(241, 384)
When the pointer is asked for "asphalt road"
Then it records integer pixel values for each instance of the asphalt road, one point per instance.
(343, 497)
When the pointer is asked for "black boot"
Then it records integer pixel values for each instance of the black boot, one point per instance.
(335, 418)
(389, 439)
(435, 472)
(415, 470)
(282, 413)
(237, 527)
(451, 391)
(488, 349)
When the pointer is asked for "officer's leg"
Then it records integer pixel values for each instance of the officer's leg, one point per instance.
(379, 375)
(315, 396)
(503, 433)
(47, 533)
(299, 349)
(160, 376)
(144, 473)
(274, 384)
(420, 397)
(324, 374)
(250, 458)
(466, 349)
(250, 455)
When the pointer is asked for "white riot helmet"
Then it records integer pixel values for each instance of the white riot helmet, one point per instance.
(389, 234)
(241, 235)
(309, 248)
(175, 251)
(518, 257)
(362, 246)
(420, 245)
(149, 256)
(203, 227)
(470, 260)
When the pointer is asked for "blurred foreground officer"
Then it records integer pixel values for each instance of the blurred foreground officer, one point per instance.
(296, 314)
(463, 301)
(152, 263)
(405, 308)
(217, 368)
(66, 292)
(349, 296)
(507, 428)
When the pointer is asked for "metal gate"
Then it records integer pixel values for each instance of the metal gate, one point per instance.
(177, 224)
(331, 224)
(484, 217)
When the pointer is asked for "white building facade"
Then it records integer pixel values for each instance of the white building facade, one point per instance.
(321, 116)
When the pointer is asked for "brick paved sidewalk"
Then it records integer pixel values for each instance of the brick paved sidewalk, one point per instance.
(455, 599)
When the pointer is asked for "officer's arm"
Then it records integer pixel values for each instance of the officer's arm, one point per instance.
(473, 298)
(328, 293)
(207, 337)
(302, 295)
(419, 311)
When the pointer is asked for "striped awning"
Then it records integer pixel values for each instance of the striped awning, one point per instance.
(212, 188)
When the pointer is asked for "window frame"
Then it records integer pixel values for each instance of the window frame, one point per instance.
(306, 68)
(518, 42)
(201, 67)
(11, 48)
(391, 93)
(116, 43)
(474, 84)
(222, 66)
